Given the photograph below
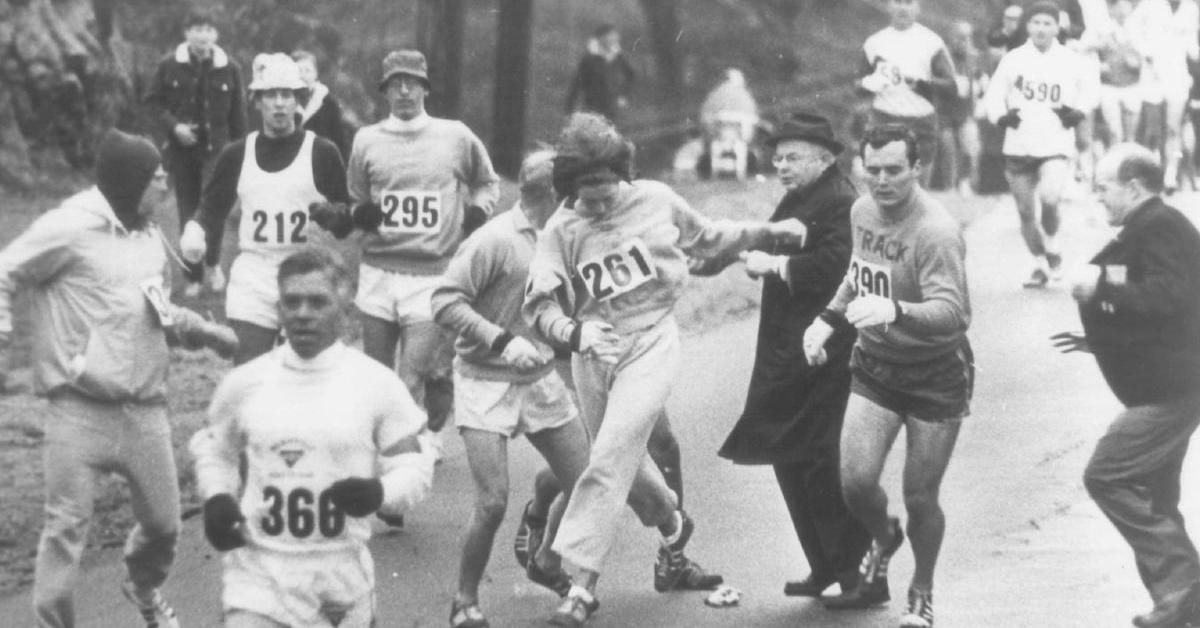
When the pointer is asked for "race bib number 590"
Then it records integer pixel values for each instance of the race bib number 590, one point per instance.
(868, 278)
(407, 211)
(617, 272)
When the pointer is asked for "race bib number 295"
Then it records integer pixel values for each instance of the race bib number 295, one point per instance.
(408, 211)
(870, 279)
(617, 272)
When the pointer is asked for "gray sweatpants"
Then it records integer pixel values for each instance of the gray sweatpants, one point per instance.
(1134, 478)
(620, 404)
(85, 438)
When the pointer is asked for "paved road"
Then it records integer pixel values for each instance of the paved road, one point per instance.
(1025, 546)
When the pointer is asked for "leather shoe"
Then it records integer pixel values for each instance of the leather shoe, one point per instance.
(1174, 610)
(864, 595)
(811, 586)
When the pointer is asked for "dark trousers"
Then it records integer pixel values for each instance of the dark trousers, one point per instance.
(833, 540)
(189, 168)
(1134, 478)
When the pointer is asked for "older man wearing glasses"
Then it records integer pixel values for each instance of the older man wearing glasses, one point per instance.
(793, 414)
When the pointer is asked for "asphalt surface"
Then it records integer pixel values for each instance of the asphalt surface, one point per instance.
(1024, 546)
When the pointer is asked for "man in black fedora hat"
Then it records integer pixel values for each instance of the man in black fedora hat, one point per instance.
(793, 414)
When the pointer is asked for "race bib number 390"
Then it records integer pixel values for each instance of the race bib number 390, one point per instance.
(408, 211)
(870, 279)
(617, 272)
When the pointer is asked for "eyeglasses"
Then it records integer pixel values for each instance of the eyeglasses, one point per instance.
(792, 158)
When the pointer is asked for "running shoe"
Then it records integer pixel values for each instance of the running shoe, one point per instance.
(556, 580)
(530, 532)
(872, 587)
(155, 610)
(467, 616)
(577, 606)
(675, 571)
(920, 610)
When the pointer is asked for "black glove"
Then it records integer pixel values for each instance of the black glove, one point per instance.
(473, 219)
(332, 217)
(1012, 119)
(221, 519)
(1070, 117)
(368, 216)
(357, 497)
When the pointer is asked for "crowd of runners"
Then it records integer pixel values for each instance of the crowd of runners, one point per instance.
(553, 319)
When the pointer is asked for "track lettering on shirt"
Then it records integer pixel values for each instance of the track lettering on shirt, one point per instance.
(411, 211)
(617, 272)
(869, 278)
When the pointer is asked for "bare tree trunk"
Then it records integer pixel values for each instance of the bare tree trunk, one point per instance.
(513, 41)
(60, 84)
(440, 37)
(664, 36)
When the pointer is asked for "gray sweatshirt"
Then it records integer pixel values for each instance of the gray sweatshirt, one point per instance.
(915, 255)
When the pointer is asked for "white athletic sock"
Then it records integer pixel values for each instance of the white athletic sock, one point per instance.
(668, 540)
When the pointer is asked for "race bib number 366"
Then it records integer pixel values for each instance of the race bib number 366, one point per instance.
(870, 279)
(617, 272)
(408, 211)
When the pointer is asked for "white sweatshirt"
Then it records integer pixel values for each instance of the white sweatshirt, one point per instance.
(1035, 83)
(303, 425)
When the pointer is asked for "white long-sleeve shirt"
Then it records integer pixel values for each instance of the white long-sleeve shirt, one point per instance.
(1167, 38)
(303, 425)
(1035, 83)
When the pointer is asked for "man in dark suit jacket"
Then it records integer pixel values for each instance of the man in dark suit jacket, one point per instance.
(1139, 300)
(793, 414)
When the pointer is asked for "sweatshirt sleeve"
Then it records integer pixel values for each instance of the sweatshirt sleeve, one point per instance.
(329, 172)
(217, 448)
(942, 70)
(357, 181)
(483, 181)
(549, 306)
(942, 274)
(471, 270)
(35, 257)
(996, 96)
(822, 263)
(703, 238)
(406, 471)
(218, 198)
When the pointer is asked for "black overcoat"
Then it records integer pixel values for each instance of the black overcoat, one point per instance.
(794, 411)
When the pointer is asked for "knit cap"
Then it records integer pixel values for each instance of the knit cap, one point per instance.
(125, 164)
(1044, 7)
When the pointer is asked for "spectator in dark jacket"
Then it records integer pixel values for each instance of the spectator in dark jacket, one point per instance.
(198, 95)
(322, 114)
(1139, 300)
(604, 78)
(793, 414)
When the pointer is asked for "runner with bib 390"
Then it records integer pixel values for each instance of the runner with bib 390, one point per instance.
(906, 292)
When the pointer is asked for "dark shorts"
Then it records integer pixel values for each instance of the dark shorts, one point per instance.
(1021, 165)
(937, 390)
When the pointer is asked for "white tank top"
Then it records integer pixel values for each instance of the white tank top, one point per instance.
(275, 204)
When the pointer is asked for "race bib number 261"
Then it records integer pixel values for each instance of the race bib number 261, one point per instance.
(617, 272)
(407, 211)
(870, 279)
